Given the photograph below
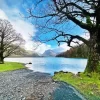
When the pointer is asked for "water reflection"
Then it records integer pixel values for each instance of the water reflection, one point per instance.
(50, 65)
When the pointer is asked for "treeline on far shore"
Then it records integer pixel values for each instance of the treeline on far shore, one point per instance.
(80, 51)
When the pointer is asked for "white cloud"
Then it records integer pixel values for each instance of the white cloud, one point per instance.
(64, 46)
(21, 25)
(86, 35)
(29, 45)
(41, 49)
(3, 15)
(26, 29)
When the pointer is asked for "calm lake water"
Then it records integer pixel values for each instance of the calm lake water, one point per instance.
(52, 64)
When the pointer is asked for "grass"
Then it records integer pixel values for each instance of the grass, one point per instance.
(9, 66)
(86, 84)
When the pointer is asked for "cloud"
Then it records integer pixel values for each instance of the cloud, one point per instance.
(21, 25)
(41, 49)
(86, 36)
(14, 15)
(63, 47)
(25, 28)
(3, 15)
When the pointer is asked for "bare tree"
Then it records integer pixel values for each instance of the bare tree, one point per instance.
(55, 16)
(10, 41)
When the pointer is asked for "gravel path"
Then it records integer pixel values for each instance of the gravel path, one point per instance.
(25, 84)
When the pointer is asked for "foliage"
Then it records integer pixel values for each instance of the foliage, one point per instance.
(8, 66)
(75, 52)
(86, 84)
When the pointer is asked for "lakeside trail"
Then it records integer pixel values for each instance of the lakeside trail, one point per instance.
(25, 84)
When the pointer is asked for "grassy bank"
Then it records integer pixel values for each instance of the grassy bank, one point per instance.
(88, 85)
(8, 66)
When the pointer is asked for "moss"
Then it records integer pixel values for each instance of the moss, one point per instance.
(88, 21)
(87, 84)
(98, 67)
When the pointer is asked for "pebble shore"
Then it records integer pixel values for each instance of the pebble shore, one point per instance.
(25, 84)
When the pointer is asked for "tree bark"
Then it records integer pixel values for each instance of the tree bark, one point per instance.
(1, 58)
(93, 62)
(94, 54)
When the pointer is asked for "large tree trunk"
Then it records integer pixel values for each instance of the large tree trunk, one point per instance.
(94, 54)
(93, 62)
(1, 49)
(1, 58)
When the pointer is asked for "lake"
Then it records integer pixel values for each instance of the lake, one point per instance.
(52, 64)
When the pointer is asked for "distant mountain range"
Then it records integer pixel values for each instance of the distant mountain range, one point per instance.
(49, 53)
(26, 54)
(31, 55)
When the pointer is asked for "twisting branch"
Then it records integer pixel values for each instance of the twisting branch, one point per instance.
(59, 12)
(67, 38)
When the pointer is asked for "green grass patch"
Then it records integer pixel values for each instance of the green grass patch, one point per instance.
(8, 66)
(86, 84)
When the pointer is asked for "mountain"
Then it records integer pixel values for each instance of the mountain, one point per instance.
(75, 52)
(49, 53)
(31, 55)
(26, 53)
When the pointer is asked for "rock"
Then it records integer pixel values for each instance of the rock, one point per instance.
(28, 85)
(78, 74)
(29, 63)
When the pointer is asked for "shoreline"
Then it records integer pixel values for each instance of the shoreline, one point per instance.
(25, 84)
(86, 84)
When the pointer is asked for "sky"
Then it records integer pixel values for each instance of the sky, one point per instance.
(14, 11)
